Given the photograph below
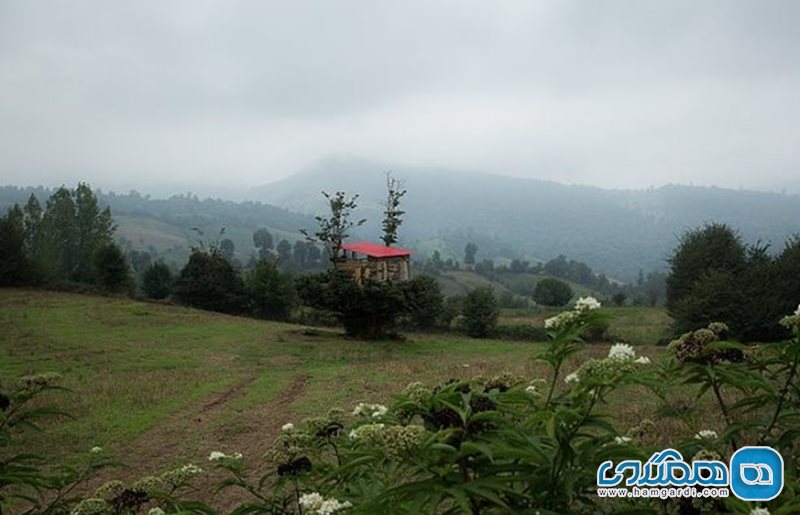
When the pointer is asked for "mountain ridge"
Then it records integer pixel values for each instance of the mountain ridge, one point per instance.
(616, 231)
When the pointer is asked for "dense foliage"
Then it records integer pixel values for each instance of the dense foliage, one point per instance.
(480, 312)
(58, 243)
(209, 281)
(424, 301)
(552, 292)
(112, 272)
(271, 293)
(714, 276)
(370, 310)
(157, 280)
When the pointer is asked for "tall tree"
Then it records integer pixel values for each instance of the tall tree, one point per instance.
(714, 247)
(14, 266)
(469, 253)
(33, 226)
(59, 239)
(300, 254)
(111, 269)
(93, 230)
(157, 281)
(334, 229)
(392, 214)
(227, 248)
(271, 293)
(262, 239)
(284, 250)
(209, 281)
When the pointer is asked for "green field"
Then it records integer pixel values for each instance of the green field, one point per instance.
(158, 384)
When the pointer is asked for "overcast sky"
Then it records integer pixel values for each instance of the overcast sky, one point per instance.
(617, 94)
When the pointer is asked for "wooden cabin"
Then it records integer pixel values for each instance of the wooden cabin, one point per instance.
(377, 262)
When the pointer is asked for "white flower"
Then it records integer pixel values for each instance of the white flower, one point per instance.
(587, 304)
(309, 500)
(759, 511)
(216, 455)
(622, 440)
(371, 410)
(571, 378)
(156, 511)
(621, 351)
(96, 450)
(797, 314)
(643, 360)
(562, 319)
(287, 427)
(315, 503)
(365, 430)
(532, 390)
(329, 506)
(706, 434)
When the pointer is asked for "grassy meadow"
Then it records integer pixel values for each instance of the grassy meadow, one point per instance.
(157, 385)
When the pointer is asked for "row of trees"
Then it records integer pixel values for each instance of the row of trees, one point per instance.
(715, 276)
(68, 241)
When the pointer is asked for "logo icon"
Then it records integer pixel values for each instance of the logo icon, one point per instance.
(756, 473)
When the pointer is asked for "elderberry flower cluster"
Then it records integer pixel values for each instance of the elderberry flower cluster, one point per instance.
(706, 434)
(587, 304)
(370, 410)
(621, 360)
(39, 381)
(418, 392)
(566, 318)
(792, 321)
(394, 440)
(179, 476)
(225, 459)
(693, 346)
(502, 382)
(91, 506)
(314, 503)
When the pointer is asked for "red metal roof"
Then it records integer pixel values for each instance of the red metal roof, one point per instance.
(375, 250)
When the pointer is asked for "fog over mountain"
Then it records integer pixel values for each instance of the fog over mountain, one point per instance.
(213, 95)
(615, 231)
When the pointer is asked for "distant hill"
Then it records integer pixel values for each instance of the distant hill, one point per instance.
(614, 231)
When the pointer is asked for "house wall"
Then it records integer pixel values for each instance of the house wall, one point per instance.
(378, 269)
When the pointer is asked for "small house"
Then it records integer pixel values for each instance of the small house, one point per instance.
(377, 262)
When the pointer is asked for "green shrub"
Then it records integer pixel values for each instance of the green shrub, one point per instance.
(157, 281)
(367, 311)
(270, 292)
(209, 281)
(451, 308)
(424, 301)
(480, 313)
(111, 269)
(552, 292)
